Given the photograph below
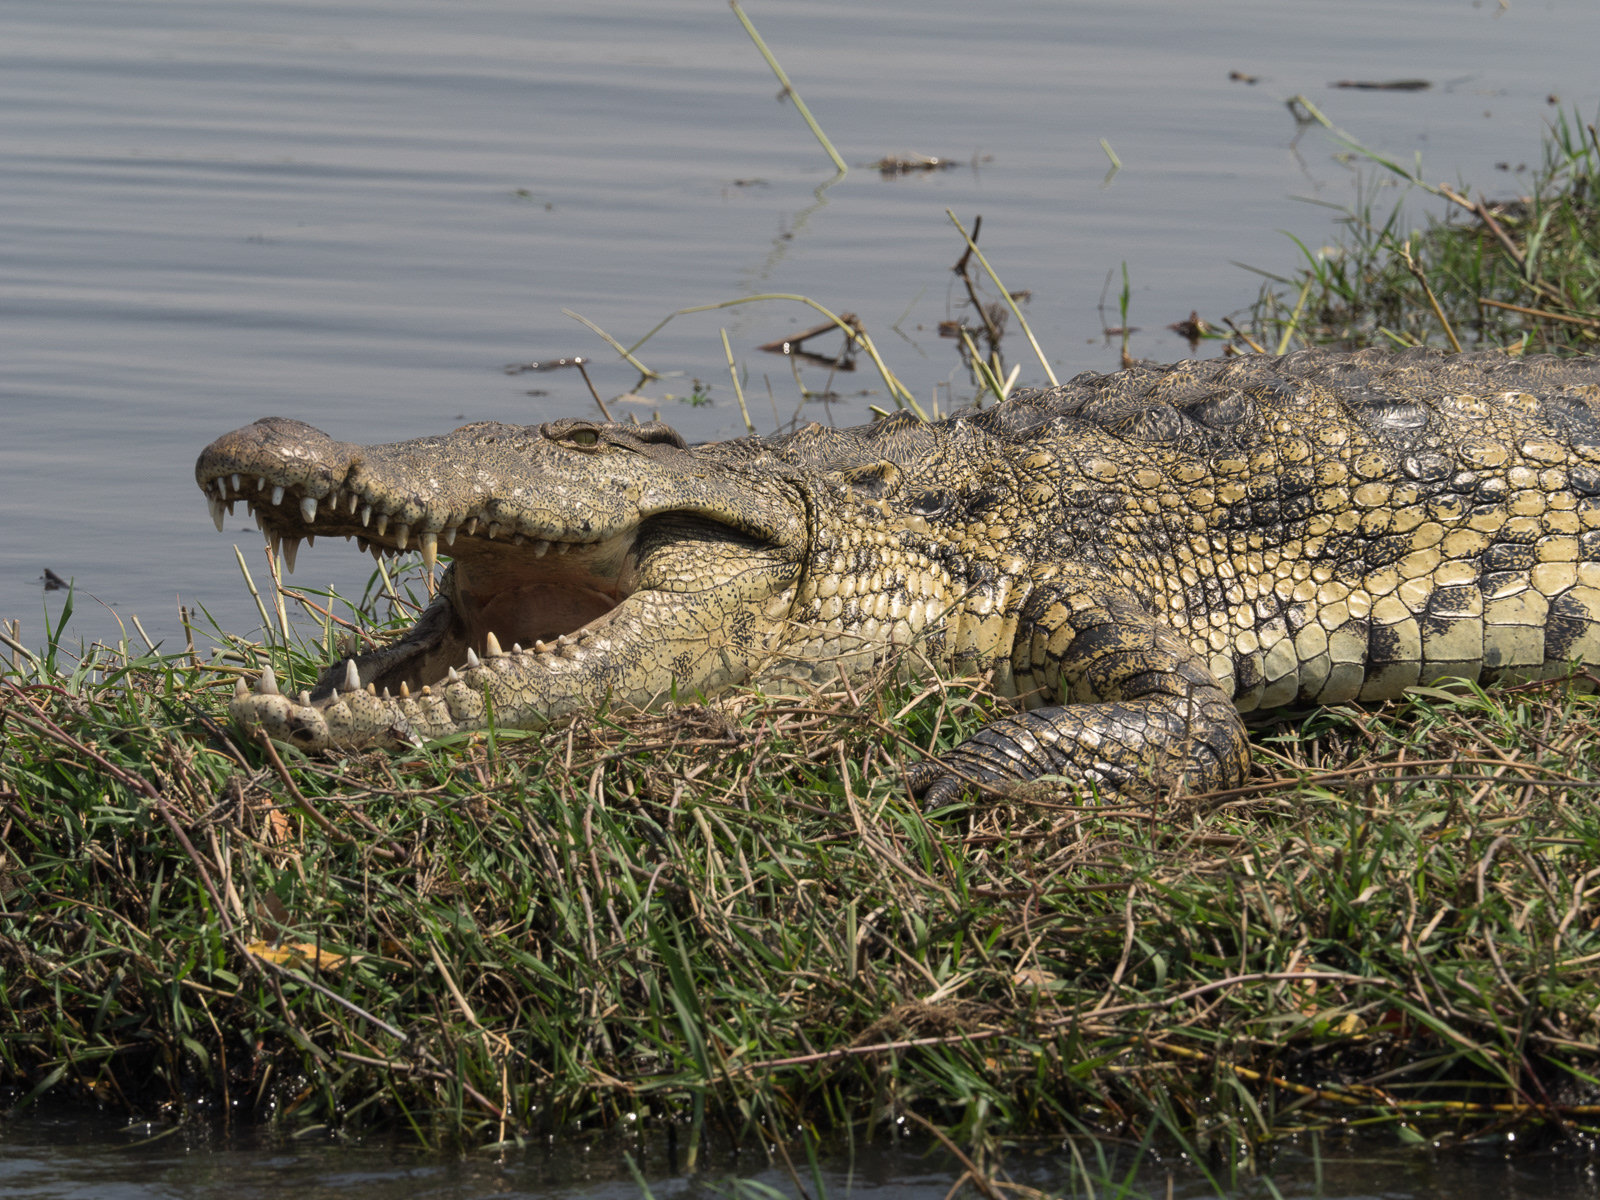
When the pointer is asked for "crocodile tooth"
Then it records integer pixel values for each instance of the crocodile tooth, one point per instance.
(240, 691)
(305, 698)
(366, 513)
(540, 549)
(291, 547)
(405, 691)
(231, 503)
(426, 690)
(383, 523)
(386, 695)
(256, 513)
(355, 502)
(277, 494)
(541, 648)
(311, 539)
(472, 526)
(491, 645)
(402, 535)
(261, 483)
(362, 544)
(215, 506)
(518, 540)
(333, 500)
(372, 690)
(273, 541)
(494, 531)
(454, 676)
(472, 658)
(268, 686)
(236, 486)
(563, 547)
(516, 647)
(450, 536)
(308, 508)
(352, 677)
(430, 549)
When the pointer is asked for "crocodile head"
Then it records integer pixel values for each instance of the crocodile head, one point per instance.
(590, 561)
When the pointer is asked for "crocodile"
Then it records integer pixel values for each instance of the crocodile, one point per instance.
(1133, 559)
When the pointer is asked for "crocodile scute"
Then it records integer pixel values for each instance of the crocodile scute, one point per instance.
(1136, 558)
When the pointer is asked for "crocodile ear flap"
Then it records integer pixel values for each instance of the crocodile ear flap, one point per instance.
(873, 481)
(658, 433)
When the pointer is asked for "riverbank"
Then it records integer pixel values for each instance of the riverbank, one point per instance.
(731, 921)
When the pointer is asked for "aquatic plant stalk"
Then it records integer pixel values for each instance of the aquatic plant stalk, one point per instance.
(613, 343)
(738, 391)
(788, 89)
(1015, 311)
(1294, 318)
(898, 392)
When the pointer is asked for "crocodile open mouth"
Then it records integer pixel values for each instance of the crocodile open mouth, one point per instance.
(509, 586)
(590, 563)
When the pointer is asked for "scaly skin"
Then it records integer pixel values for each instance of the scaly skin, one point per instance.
(1138, 557)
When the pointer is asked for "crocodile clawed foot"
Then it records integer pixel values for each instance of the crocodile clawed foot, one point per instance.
(949, 779)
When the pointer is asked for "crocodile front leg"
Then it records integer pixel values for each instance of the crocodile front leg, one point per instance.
(1143, 711)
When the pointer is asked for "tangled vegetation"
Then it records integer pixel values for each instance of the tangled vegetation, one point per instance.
(1520, 274)
(733, 920)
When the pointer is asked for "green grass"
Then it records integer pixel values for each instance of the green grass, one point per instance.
(715, 916)
(1520, 273)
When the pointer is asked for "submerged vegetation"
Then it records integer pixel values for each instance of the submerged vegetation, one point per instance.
(730, 922)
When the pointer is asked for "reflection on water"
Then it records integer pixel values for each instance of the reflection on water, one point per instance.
(82, 1156)
(357, 213)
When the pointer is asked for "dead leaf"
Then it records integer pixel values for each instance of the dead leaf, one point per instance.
(300, 954)
(1033, 978)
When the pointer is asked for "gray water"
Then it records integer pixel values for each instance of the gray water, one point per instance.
(358, 212)
(61, 1157)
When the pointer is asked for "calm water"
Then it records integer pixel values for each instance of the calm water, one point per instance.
(60, 1158)
(357, 213)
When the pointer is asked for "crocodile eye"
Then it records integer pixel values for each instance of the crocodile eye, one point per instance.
(583, 437)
